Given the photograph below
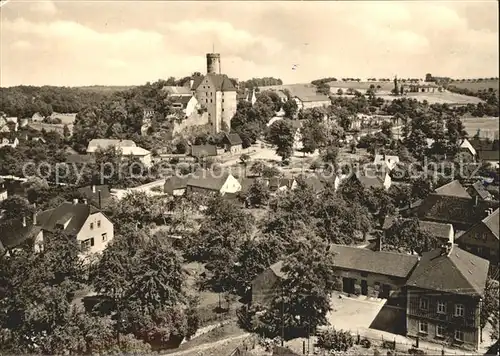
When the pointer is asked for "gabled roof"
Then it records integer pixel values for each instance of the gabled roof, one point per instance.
(440, 230)
(105, 143)
(76, 214)
(457, 271)
(134, 151)
(454, 188)
(312, 97)
(481, 144)
(180, 99)
(491, 222)
(454, 210)
(175, 183)
(370, 182)
(365, 260)
(221, 82)
(13, 233)
(91, 193)
(232, 139)
(203, 150)
(480, 190)
(207, 180)
(278, 182)
(172, 90)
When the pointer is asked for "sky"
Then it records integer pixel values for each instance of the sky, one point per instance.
(75, 43)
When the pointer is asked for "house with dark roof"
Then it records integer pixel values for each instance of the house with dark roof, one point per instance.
(232, 143)
(208, 181)
(175, 185)
(461, 212)
(281, 184)
(479, 190)
(362, 271)
(97, 195)
(202, 151)
(308, 100)
(487, 150)
(188, 104)
(92, 229)
(444, 232)
(373, 179)
(444, 295)
(482, 238)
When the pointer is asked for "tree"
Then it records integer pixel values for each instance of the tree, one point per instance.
(406, 235)
(340, 91)
(244, 159)
(332, 339)
(281, 134)
(490, 307)
(290, 108)
(258, 193)
(257, 167)
(417, 144)
(330, 158)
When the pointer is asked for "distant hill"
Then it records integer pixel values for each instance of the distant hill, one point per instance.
(105, 88)
(476, 85)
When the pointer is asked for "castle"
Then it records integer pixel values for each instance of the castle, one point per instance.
(214, 93)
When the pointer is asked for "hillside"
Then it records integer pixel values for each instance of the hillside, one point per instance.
(105, 88)
(476, 86)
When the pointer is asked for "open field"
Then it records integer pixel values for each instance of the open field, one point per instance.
(476, 86)
(437, 98)
(488, 126)
(384, 86)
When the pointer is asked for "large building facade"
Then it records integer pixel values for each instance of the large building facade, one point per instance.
(216, 94)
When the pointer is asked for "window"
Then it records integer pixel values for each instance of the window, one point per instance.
(424, 303)
(104, 237)
(91, 226)
(459, 335)
(98, 223)
(422, 327)
(210, 100)
(223, 109)
(440, 330)
(459, 310)
(88, 243)
(222, 100)
(441, 307)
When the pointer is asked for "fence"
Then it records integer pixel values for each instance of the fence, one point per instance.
(247, 345)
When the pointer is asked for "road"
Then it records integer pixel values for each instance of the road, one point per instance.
(193, 351)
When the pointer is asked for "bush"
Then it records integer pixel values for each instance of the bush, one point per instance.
(338, 285)
(414, 351)
(335, 340)
(366, 343)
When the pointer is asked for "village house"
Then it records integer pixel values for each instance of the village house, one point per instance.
(279, 184)
(37, 117)
(373, 179)
(444, 232)
(386, 161)
(205, 181)
(128, 149)
(175, 185)
(232, 143)
(97, 195)
(482, 239)
(378, 274)
(479, 190)
(461, 212)
(311, 100)
(453, 189)
(444, 296)
(92, 229)
(8, 139)
(468, 148)
(202, 151)
(188, 104)
(487, 150)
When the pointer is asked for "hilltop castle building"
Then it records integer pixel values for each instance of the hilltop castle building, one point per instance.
(216, 93)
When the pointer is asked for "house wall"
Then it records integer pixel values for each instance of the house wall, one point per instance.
(96, 232)
(265, 287)
(229, 104)
(234, 149)
(480, 241)
(206, 96)
(3, 194)
(178, 192)
(300, 104)
(371, 279)
(146, 160)
(469, 324)
(231, 185)
(315, 104)
(387, 181)
(191, 106)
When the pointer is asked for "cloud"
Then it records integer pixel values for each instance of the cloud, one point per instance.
(44, 7)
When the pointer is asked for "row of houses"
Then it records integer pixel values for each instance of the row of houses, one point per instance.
(82, 219)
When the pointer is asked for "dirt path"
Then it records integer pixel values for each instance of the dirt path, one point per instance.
(192, 351)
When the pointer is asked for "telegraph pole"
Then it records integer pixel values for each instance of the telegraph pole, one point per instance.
(282, 317)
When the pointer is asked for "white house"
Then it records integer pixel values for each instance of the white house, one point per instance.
(37, 117)
(390, 162)
(311, 101)
(467, 147)
(103, 144)
(188, 104)
(138, 152)
(207, 181)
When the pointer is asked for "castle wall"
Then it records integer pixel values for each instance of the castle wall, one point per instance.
(193, 120)
(228, 107)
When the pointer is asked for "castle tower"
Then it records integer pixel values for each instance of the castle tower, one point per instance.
(213, 63)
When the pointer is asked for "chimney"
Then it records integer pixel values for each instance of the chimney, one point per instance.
(446, 248)
(34, 218)
(84, 201)
(24, 221)
(99, 192)
(75, 201)
(191, 83)
(93, 188)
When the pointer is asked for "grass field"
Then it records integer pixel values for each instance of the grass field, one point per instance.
(384, 86)
(488, 126)
(476, 86)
